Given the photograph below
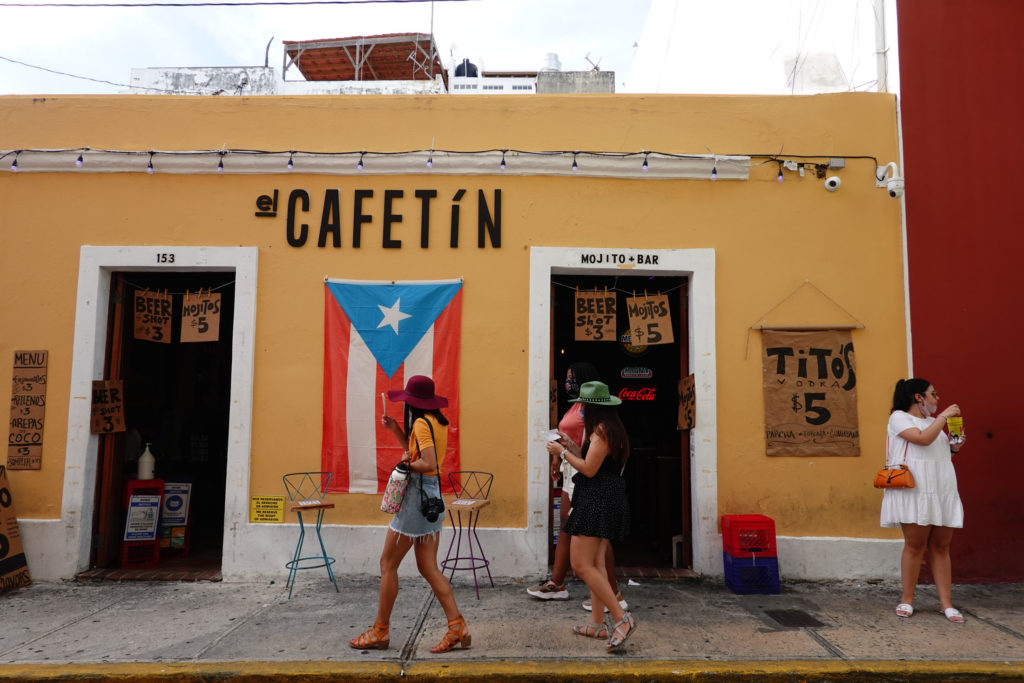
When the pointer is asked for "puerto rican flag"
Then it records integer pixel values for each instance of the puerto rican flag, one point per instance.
(376, 334)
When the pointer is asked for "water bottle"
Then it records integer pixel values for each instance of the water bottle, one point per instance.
(395, 490)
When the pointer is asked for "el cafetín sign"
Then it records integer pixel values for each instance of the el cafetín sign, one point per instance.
(332, 218)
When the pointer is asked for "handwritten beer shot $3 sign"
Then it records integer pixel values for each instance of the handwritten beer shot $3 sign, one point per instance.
(594, 316)
(810, 393)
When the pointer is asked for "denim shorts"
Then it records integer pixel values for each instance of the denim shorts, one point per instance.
(410, 521)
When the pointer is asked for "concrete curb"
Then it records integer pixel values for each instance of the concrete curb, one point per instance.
(521, 671)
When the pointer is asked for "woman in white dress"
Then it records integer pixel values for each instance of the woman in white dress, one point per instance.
(929, 512)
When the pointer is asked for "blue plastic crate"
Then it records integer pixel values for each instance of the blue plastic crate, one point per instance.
(752, 575)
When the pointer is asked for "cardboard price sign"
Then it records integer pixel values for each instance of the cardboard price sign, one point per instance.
(153, 316)
(687, 403)
(650, 319)
(13, 566)
(810, 393)
(107, 406)
(595, 316)
(200, 317)
(28, 408)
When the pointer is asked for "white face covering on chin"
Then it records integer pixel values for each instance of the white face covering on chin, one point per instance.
(927, 409)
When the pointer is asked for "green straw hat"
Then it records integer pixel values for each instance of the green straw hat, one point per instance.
(596, 393)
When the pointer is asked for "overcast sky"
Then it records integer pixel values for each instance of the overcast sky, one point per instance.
(727, 46)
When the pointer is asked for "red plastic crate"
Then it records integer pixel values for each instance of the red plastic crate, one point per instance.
(748, 535)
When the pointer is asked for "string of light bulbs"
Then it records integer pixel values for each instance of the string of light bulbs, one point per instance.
(641, 163)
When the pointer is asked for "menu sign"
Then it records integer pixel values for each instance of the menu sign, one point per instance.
(650, 321)
(107, 406)
(153, 316)
(810, 393)
(200, 317)
(28, 408)
(595, 316)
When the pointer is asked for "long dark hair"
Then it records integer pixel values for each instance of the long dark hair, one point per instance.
(412, 414)
(583, 372)
(605, 420)
(906, 390)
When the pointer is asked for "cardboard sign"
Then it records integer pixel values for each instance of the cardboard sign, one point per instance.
(650, 319)
(687, 403)
(153, 316)
(200, 317)
(143, 514)
(13, 566)
(107, 406)
(595, 316)
(810, 393)
(266, 509)
(28, 408)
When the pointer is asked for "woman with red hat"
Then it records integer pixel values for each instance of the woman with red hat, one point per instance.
(425, 437)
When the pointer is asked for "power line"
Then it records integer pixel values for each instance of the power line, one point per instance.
(98, 80)
(240, 3)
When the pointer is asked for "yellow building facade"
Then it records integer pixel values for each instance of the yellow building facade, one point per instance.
(730, 253)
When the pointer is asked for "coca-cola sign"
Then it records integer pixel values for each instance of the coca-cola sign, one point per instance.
(642, 394)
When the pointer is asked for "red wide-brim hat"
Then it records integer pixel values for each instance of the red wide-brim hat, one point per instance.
(419, 393)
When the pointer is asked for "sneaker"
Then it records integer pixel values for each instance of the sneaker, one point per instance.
(549, 590)
(618, 596)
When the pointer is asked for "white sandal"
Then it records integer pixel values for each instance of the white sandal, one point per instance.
(904, 609)
(954, 615)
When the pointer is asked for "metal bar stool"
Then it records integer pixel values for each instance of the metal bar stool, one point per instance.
(306, 491)
(472, 490)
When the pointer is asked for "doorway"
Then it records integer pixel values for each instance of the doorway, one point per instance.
(176, 405)
(646, 379)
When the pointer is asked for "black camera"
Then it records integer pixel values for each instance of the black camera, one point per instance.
(432, 508)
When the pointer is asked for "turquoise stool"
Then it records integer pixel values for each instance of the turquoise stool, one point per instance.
(306, 491)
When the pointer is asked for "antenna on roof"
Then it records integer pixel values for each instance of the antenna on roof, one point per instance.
(596, 65)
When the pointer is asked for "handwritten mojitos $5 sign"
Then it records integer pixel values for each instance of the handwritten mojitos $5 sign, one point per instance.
(810, 393)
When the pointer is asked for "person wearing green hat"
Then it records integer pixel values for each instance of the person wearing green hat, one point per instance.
(570, 432)
(600, 508)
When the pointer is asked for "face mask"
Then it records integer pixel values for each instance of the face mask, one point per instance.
(572, 388)
(927, 409)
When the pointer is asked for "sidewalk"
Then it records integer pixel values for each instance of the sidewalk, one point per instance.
(688, 629)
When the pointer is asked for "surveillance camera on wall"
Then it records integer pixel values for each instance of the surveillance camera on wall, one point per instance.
(894, 186)
(833, 182)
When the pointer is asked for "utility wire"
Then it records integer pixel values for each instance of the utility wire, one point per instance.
(240, 3)
(100, 80)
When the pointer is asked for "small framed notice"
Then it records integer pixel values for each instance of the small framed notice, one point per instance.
(143, 515)
(269, 509)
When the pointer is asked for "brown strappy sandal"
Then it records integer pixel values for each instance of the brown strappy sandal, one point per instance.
(457, 634)
(375, 638)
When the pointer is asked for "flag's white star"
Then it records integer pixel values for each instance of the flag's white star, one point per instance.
(392, 316)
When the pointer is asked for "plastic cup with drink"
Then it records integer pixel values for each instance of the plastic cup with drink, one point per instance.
(955, 426)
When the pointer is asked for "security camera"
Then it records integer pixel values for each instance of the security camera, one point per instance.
(892, 183)
(833, 182)
(894, 186)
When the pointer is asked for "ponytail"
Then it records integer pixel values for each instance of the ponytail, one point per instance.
(906, 390)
